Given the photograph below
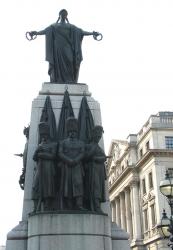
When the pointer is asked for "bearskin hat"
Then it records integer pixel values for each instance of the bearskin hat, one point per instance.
(71, 124)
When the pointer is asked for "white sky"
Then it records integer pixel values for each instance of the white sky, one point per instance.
(130, 72)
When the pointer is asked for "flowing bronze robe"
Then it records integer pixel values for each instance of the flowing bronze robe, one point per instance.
(63, 52)
(95, 175)
(44, 179)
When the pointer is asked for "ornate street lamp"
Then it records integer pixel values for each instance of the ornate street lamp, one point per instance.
(166, 226)
(163, 227)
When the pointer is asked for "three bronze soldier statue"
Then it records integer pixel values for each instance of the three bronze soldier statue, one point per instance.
(82, 170)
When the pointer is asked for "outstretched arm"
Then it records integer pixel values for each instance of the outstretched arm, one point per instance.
(86, 33)
(35, 33)
(96, 35)
(32, 35)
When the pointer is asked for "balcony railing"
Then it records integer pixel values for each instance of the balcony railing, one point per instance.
(156, 122)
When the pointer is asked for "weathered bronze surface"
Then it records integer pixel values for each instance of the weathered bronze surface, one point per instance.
(70, 171)
(95, 174)
(71, 153)
(66, 111)
(63, 48)
(85, 121)
(44, 182)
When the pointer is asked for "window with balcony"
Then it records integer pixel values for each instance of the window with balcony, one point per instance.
(169, 142)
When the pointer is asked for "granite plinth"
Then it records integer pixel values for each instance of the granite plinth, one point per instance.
(59, 89)
(69, 231)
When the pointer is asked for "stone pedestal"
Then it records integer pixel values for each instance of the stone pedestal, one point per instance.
(69, 231)
(61, 231)
(119, 238)
(17, 237)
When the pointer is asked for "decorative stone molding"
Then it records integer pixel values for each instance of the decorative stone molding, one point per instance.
(144, 201)
(151, 196)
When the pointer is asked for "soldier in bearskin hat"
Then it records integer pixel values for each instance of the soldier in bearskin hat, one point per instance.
(95, 174)
(71, 153)
(44, 181)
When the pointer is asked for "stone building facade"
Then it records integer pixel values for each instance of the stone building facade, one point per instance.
(134, 173)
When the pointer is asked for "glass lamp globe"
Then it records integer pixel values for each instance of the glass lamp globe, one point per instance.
(166, 186)
(163, 227)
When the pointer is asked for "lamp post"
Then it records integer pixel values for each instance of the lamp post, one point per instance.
(166, 225)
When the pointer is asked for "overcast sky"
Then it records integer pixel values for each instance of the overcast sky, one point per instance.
(130, 73)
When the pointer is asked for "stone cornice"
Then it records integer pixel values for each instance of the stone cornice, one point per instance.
(111, 151)
(135, 168)
(126, 151)
(120, 177)
(154, 152)
(150, 128)
(134, 181)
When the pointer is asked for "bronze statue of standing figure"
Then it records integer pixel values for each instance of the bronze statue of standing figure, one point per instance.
(71, 153)
(63, 48)
(95, 173)
(44, 181)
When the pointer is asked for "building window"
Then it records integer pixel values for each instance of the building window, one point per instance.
(145, 212)
(147, 145)
(143, 187)
(153, 215)
(150, 178)
(117, 173)
(170, 171)
(140, 153)
(122, 168)
(169, 141)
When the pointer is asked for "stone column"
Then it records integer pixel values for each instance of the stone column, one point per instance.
(113, 206)
(123, 211)
(118, 217)
(128, 212)
(136, 211)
